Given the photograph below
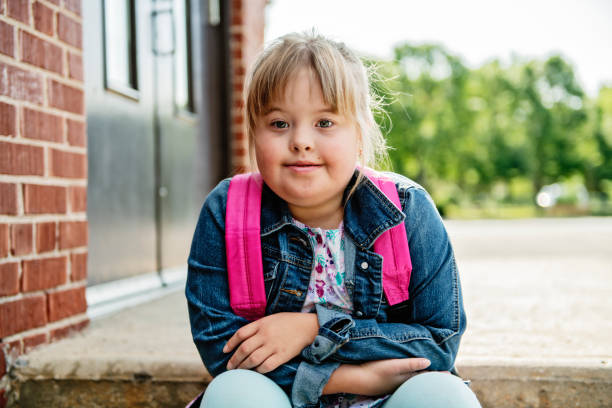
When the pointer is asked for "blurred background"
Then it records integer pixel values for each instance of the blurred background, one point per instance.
(500, 109)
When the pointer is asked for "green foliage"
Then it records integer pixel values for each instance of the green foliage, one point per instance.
(496, 133)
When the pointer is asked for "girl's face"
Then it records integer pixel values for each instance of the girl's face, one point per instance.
(305, 152)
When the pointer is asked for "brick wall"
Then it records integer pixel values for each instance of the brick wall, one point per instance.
(246, 40)
(43, 175)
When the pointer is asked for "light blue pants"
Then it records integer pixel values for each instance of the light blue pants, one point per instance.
(249, 389)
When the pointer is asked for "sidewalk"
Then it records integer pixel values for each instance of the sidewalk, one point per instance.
(537, 294)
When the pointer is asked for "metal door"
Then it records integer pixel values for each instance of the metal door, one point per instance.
(149, 166)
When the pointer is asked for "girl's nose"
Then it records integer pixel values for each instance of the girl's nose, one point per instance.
(301, 141)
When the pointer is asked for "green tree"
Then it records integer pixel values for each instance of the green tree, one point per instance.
(465, 133)
(556, 114)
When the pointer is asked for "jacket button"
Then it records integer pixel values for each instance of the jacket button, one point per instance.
(359, 313)
(364, 265)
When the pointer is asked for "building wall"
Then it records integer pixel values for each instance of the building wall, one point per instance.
(43, 175)
(43, 164)
(246, 41)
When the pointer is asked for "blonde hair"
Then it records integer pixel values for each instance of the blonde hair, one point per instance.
(343, 79)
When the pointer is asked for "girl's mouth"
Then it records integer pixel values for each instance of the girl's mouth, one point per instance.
(303, 167)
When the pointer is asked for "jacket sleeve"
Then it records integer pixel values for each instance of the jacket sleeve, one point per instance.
(429, 324)
(212, 320)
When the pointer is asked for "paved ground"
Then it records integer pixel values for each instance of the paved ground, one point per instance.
(536, 289)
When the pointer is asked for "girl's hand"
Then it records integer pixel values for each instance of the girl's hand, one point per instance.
(271, 341)
(374, 377)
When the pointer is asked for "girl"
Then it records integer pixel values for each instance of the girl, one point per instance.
(329, 338)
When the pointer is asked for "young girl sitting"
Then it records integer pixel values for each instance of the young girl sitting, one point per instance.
(330, 336)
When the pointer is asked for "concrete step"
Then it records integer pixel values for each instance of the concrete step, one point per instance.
(139, 357)
(144, 357)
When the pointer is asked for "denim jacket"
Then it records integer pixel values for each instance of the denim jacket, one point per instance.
(429, 324)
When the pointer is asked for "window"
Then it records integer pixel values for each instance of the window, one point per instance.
(120, 70)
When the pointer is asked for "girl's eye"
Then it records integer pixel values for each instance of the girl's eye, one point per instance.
(279, 124)
(325, 123)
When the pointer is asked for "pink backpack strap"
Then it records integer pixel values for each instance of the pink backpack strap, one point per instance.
(392, 245)
(243, 246)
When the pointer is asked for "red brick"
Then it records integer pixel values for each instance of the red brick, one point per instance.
(238, 119)
(23, 314)
(69, 31)
(73, 5)
(239, 71)
(78, 267)
(237, 19)
(76, 133)
(34, 341)
(66, 303)
(63, 332)
(21, 239)
(19, 10)
(42, 126)
(75, 66)
(41, 53)
(20, 84)
(1, 12)
(239, 152)
(45, 237)
(56, 2)
(72, 234)
(40, 274)
(68, 164)
(239, 136)
(39, 199)
(238, 103)
(66, 97)
(9, 279)
(6, 39)
(78, 198)
(4, 240)
(237, 53)
(7, 119)
(43, 18)
(8, 198)
(21, 159)
(2, 363)
(237, 37)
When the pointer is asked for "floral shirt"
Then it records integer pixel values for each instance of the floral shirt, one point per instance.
(327, 287)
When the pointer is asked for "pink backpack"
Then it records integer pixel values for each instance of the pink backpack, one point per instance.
(243, 247)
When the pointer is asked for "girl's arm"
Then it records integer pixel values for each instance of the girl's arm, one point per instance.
(375, 377)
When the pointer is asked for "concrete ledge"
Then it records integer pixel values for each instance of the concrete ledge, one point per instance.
(543, 384)
(100, 394)
(148, 384)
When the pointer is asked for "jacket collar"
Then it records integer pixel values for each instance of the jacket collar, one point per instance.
(367, 214)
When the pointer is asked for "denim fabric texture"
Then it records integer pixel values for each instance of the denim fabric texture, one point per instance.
(429, 324)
